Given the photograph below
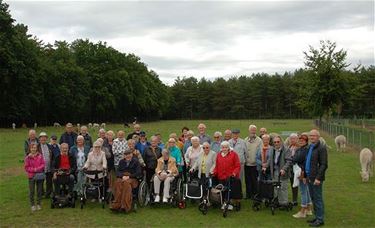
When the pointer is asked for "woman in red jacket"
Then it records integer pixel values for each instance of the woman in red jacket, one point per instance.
(228, 165)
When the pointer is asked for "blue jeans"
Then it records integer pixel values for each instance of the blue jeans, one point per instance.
(305, 194)
(316, 193)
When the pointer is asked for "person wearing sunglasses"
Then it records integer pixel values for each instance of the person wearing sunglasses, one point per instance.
(218, 138)
(205, 163)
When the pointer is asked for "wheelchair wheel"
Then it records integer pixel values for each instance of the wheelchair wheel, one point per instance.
(180, 190)
(143, 194)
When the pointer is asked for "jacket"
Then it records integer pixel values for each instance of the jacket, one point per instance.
(96, 162)
(134, 168)
(210, 162)
(259, 157)
(299, 157)
(151, 157)
(88, 140)
(285, 162)
(141, 147)
(240, 148)
(171, 166)
(176, 154)
(227, 166)
(72, 163)
(70, 139)
(318, 162)
(50, 155)
(252, 149)
(74, 150)
(34, 164)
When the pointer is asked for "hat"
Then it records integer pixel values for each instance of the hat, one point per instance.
(54, 137)
(69, 125)
(128, 151)
(42, 134)
(142, 133)
(236, 131)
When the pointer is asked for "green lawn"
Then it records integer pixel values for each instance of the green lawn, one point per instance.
(348, 201)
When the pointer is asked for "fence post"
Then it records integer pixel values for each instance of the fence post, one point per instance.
(360, 140)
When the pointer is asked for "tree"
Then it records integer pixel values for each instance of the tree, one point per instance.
(326, 87)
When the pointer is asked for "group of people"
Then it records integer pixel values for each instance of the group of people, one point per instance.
(127, 159)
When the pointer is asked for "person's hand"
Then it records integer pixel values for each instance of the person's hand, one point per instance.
(125, 178)
(317, 182)
(282, 172)
(54, 175)
(304, 180)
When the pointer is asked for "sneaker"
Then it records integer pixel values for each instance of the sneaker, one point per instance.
(33, 208)
(309, 212)
(157, 199)
(38, 207)
(165, 200)
(300, 214)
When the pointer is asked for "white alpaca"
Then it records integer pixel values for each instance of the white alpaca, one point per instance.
(90, 125)
(14, 126)
(55, 124)
(102, 125)
(365, 158)
(340, 142)
(78, 126)
(96, 125)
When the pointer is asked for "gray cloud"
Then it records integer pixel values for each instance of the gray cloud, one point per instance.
(210, 27)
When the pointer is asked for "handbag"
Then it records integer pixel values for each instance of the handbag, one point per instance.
(39, 176)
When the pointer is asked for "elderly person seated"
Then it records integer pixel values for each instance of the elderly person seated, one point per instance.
(136, 153)
(193, 151)
(64, 164)
(228, 166)
(205, 163)
(262, 157)
(166, 171)
(128, 172)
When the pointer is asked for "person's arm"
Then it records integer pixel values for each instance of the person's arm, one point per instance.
(28, 167)
(61, 139)
(141, 161)
(258, 157)
(104, 161)
(137, 171)
(288, 160)
(73, 165)
(213, 160)
(88, 162)
(187, 154)
(26, 147)
(159, 167)
(237, 165)
(41, 166)
(120, 169)
(173, 169)
(323, 163)
(195, 166)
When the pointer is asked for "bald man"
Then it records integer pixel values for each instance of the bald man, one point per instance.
(315, 168)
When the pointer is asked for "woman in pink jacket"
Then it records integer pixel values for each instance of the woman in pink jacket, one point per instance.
(34, 166)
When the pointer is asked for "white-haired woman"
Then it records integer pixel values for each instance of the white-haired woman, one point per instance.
(193, 151)
(293, 147)
(205, 163)
(262, 157)
(218, 138)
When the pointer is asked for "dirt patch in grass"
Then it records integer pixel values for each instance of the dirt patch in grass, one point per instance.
(11, 172)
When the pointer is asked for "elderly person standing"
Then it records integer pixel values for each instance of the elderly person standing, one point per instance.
(215, 145)
(54, 146)
(227, 135)
(293, 147)
(315, 168)
(137, 131)
(262, 131)
(30, 140)
(119, 146)
(240, 147)
(279, 164)
(151, 156)
(96, 160)
(183, 136)
(205, 163)
(187, 143)
(203, 137)
(129, 170)
(253, 144)
(142, 144)
(262, 156)
(300, 159)
(193, 152)
(102, 133)
(85, 133)
(80, 151)
(166, 171)
(48, 159)
(175, 152)
(136, 153)
(69, 135)
(228, 165)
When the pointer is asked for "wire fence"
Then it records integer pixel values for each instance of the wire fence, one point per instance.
(355, 136)
(358, 122)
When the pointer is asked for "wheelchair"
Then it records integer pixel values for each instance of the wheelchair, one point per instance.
(146, 193)
(63, 198)
(94, 187)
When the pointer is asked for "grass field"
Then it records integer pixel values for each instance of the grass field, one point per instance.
(348, 201)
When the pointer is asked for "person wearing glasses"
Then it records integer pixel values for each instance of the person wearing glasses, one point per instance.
(218, 138)
(279, 163)
(205, 163)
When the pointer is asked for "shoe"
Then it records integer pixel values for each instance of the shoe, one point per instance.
(157, 199)
(309, 212)
(317, 223)
(33, 208)
(311, 220)
(300, 214)
(165, 200)
(38, 207)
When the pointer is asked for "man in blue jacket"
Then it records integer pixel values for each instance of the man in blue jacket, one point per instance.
(69, 137)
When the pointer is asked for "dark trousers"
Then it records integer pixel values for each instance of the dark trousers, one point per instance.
(251, 175)
(39, 190)
(149, 174)
(294, 190)
(48, 181)
(316, 194)
(66, 181)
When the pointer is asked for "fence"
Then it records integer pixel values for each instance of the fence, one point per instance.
(354, 136)
(359, 122)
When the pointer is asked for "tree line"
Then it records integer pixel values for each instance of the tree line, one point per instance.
(83, 81)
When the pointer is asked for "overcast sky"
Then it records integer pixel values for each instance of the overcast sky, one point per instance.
(208, 39)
